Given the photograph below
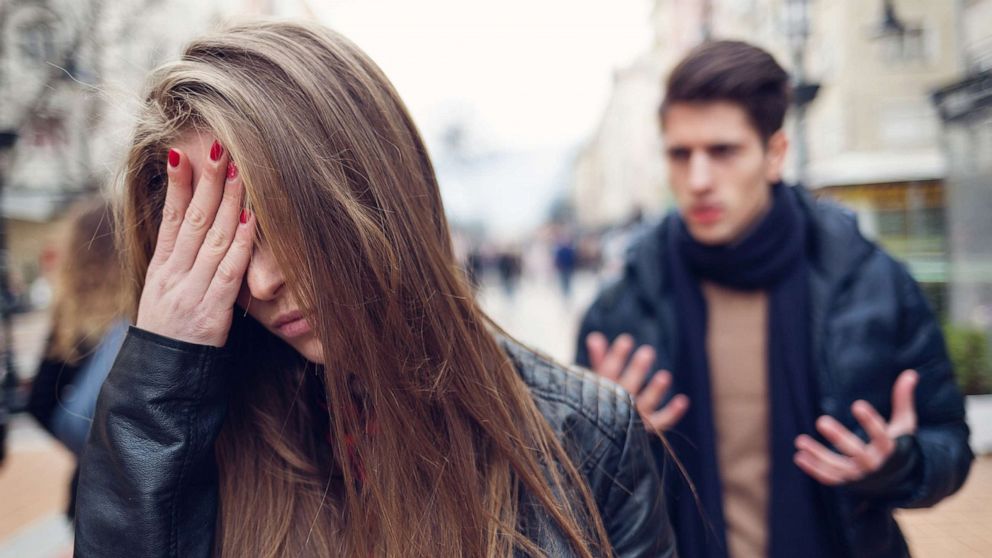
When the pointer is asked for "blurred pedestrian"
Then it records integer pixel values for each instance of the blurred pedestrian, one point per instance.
(358, 401)
(821, 392)
(475, 266)
(508, 263)
(87, 329)
(565, 262)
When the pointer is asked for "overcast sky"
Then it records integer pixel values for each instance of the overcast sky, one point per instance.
(528, 78)
(526, 73)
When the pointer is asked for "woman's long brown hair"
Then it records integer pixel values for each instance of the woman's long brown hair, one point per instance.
(445, 436)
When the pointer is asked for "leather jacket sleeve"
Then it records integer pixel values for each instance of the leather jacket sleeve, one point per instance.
(148, 479)
(634, 512)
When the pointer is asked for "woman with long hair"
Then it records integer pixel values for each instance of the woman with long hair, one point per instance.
(87, 328)
(309, 374)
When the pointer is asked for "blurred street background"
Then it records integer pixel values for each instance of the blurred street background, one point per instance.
(541, 120)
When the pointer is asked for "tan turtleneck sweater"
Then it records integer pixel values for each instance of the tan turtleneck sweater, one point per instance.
(737, 347)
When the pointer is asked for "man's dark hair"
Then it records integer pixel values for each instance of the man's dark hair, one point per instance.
(736, 72)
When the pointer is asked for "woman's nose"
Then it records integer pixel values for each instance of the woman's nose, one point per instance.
(265, 278)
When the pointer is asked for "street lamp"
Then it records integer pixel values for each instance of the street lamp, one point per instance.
(901, 42)
(891, 26)
(797, 30)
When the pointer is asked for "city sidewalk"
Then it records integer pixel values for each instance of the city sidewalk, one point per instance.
(35, 478)
(34, 481)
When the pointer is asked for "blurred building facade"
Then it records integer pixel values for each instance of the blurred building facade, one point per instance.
(874, 134)
(870, 135)
(620, 172)
(965, 108)
(71, 75)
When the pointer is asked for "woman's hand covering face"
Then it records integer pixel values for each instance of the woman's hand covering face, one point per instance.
(203, 249)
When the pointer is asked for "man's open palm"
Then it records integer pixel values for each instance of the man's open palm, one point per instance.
(611, 362)
(856, 459)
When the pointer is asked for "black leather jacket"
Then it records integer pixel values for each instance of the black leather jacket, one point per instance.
(869, 323)
(148, 484)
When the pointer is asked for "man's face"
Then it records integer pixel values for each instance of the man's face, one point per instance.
(719, 169)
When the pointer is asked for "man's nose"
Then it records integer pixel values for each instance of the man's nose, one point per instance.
(265, 278)
(700, 172)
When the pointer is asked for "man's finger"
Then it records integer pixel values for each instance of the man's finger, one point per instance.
(903, 420)
(178, 193)
(653, 394)
(843, 467)
(874, 425)
(616, 357)
(668, 416)
(596, 345)
(814, 468)
(844, 440)
(640, 364)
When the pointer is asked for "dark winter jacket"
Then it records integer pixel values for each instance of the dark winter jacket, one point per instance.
(869, 322)
(148, 484)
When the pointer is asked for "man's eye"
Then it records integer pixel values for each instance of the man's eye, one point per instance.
(679, 155)
(722, 151)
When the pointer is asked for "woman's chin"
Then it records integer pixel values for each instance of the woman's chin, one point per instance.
(310, 348)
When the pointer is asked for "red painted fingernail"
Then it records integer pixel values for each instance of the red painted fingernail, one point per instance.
(216, 151)
(244, 216)
(173, 158)
(232, 171)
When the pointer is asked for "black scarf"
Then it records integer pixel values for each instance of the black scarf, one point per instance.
(772, 257)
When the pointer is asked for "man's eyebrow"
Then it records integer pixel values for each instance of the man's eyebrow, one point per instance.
(726, 143)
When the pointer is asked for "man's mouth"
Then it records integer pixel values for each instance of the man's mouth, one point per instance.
(705, 214)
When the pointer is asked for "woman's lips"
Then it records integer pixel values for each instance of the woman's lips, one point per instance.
(294, 328)
(291, 324)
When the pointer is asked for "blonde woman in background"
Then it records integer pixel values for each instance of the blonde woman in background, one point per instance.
(87, 328)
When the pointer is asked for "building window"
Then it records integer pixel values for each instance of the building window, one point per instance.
(914, 45)
(907, 123)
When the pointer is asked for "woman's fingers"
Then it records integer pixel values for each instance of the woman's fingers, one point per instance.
(178, 193)
(221, 233)
(204, 250)
(226, 282)
(202, 209)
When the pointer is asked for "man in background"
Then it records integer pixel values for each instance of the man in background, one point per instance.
(804, 382)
